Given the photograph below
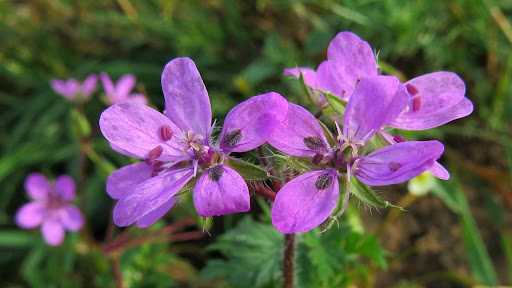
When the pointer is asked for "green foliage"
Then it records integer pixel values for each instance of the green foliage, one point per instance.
(249, 171)
(253, 251)
(241, 48)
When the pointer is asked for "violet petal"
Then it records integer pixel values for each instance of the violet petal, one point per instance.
(301, 206)
(398, 163)
(186, 99)
(134, 130)
(250, 123)
(376, 102)
(30, 215)
(150, 195)
(37, 186)
(220, 191)
(440, 99)
(291, 137)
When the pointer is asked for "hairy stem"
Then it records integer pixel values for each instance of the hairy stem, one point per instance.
(288, 260)
(118, 274)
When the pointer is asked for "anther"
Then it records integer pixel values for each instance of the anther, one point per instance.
(411, 89)
(215, 173)
(323, 181)
(394, 166)
(154, 154)
(166, 132)
(230, 139)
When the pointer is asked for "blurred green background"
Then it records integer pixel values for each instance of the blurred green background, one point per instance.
(459, 235)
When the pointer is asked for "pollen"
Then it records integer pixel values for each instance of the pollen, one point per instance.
(166, 132)
(323, 181)
(232, 138)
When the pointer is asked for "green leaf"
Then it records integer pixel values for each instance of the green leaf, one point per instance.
(16, 238)
(328, 134)
(368, 196)
(479, 259)
(336, 103)
(506, 243)
(248, 170)
(81, 126)
(253, 254)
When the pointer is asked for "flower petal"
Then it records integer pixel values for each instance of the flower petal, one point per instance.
(186, 99)
(122, 182)
(71, 218)
(138, 98)
(124, 85)
(438, 99)
(37, 186)
(306, 201)
(439, 171)
(250, 123)
(398, 163)
(134, 130)
(156, 214)
(334, 82)
(30, 215)
(309, 75)
(89, 85)
(220, 191)
(150, 195)
(299, 134)
(53, 232)
(67, 88)
(108, 87)
(376, 102)
(349, 60)
(65, 187)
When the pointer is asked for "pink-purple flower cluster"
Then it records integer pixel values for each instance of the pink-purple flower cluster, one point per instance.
(177, 147)
(50, 207)
(118, 92)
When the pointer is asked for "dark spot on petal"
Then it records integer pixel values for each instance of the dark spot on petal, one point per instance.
(394, 166)
(154, 154)
(166, 132)
(215, 173)
(314, 143)
(230, 139)
(323, 181)
(416, 103)
(411, 89)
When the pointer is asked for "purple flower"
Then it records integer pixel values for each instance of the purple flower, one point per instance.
(177, 146)
(121, 91)
(309, 199)
(434, 99)
(50, 207)
(73, 90)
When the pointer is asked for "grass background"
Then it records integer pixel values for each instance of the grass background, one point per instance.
(458, 236)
